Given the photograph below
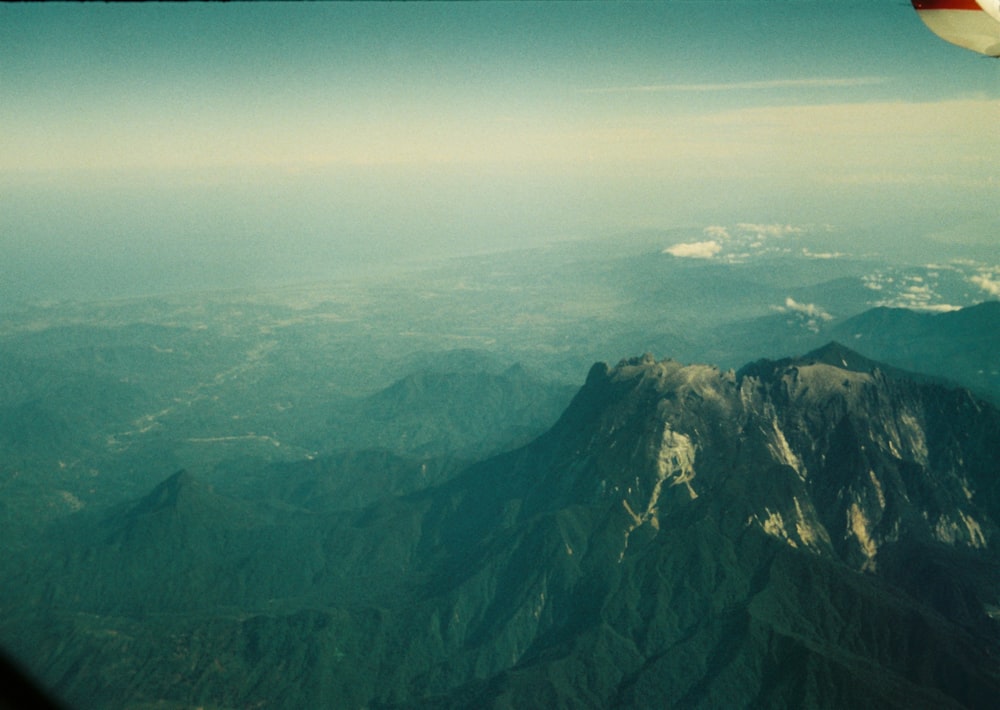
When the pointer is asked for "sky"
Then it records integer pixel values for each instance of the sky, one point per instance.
(226, 140)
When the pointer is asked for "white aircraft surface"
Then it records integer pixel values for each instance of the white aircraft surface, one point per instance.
(973, 24)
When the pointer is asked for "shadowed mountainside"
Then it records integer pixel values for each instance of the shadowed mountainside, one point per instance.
(811, 532)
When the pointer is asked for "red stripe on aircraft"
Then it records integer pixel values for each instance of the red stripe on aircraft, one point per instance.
(946, 5)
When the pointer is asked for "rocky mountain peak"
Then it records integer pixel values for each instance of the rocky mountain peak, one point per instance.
(827, 452)
(817, 487)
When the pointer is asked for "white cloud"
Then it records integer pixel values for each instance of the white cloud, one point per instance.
(742, 241)
(823, 254)
(987, 282)
(918, 292)
(716, 232)
(695, 250)
(807, 309)
(770, 230)
(918, 298)
(913, 297)
(817, 83)
(919, 306)
(910, 291)
(810, 314)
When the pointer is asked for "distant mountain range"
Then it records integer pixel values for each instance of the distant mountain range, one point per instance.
(461, 411)
(958, 346)
(817, 531)
(961, 346)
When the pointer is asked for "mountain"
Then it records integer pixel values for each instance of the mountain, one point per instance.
(737, 539)
(50, 421)
(959, 345)
(448, 410)
(956, 346)
(817, 531)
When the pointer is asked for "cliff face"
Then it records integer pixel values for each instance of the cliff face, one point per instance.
(835, 458)
(812, 532)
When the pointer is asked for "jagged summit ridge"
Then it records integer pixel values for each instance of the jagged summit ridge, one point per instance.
(830, 452)
(668, 491)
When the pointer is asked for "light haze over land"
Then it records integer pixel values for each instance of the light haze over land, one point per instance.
(149, 148)
(306, 320)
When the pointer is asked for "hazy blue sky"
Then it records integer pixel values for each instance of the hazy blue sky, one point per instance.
(157, 135)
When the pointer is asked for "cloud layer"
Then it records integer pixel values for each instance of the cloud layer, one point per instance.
(738, 242)
(695, 250)
(810, 314)
(815, 83)
(988, 282)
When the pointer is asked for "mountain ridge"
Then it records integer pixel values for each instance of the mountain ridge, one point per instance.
(798, 533)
